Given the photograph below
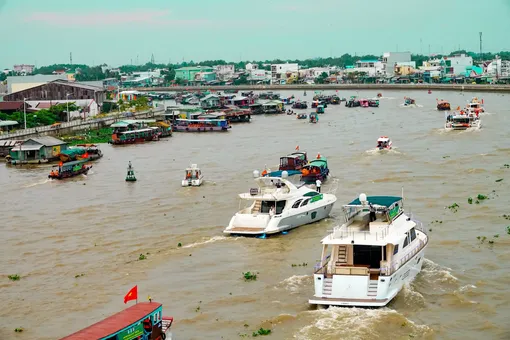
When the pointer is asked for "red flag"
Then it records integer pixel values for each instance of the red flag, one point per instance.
(86, 155)
(297, 148)
(132, 294)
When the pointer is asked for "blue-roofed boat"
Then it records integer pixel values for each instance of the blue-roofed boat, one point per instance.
(279, 173)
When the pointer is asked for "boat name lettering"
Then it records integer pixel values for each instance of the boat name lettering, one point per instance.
(316, 198)
(131, 333)
(393, 212)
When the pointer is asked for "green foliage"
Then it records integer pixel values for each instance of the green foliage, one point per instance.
(261, 331)
(322, 78)
(242, 80)
(249, 276)
(40, 118)
(454, 207)
(109, 107)
(14, 277)
(90, 137)
(168, 75)
(18, 330)
(142, 257)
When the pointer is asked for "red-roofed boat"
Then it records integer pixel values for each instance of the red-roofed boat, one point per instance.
(143, 321)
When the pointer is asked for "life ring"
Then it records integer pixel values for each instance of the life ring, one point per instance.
(187, 129)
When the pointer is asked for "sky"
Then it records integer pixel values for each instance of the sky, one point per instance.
(118, 32)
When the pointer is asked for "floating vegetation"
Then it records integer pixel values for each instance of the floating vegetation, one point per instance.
(304, 264)
(454, 207)
(436, 221)
(482, 197)
(79, 275)
(14, 277)
(142, 257)
(179, 244)
(446, 156)
(249, 276)
(482, 239)
(499, 180)
(18, 330)
(508, 230)
(506, 217)
(261, 331)
(470, 200)
(506, 166)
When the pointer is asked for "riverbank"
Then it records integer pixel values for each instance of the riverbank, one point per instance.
(319, 87)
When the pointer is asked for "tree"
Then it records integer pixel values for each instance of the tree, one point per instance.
(322, 78)
(243, 79)
(60, 110)
(168, 75)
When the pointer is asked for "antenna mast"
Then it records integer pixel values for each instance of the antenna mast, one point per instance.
(481, 46)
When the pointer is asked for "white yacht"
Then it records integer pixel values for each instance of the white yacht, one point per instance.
(366, 261)
(278, 205)
(193, 176)
(462, 121)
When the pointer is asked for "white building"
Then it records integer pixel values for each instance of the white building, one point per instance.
(24, 69)
(391, 59)
(279, 71)
(458, 64)
(224, 72)
(499, 68)
(259, 75)
(251, 66)
(372, 68)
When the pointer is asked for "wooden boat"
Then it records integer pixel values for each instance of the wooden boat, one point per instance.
(300, 105)
(352, 102)
(238, 116)
(81, 151)
(316, 169)
(409, 101)
(201, 125)
(314, 117)
(443, 105)
(301, 116)
(335, 100)
(373, 103)
(379, 95)
(69, 169)
(133, 136)
(130, 176)
(320, 109)
(144, 320)
(295, 161)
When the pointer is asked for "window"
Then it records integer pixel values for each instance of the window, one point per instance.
(296, 204)
(406, 241)
(305, 202)
(413, 234)
(396, 250)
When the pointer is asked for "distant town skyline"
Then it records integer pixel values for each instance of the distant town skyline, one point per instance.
(120, 32)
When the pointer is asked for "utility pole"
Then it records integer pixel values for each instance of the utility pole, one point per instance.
(481, 57)
(152, 59)
(71, 58)
(421, 46)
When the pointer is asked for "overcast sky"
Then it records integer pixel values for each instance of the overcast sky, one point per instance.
(117, 32)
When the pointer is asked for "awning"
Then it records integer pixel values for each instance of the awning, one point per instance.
(27, 147)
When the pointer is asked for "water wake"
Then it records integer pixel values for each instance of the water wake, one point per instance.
(296, 283)
(38, 183)
(210, 240)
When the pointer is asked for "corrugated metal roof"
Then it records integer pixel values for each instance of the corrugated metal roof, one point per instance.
(27, 147)
(8, 143)
(47, 141)
(12, 105)
(8, 122)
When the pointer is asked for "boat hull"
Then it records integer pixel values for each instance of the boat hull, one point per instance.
(71, 174)
(192, 182)
(264, 224)
(199, 129)
(460, 127)
(387, 286)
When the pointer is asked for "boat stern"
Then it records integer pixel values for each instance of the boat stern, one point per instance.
(248, 224)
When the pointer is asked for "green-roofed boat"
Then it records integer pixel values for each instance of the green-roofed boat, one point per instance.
(70, 169)
(81, 151)
(315, 170)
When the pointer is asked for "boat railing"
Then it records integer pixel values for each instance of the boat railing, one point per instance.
(318, 268)
(396, 264)
(342, 232)
(419, 224)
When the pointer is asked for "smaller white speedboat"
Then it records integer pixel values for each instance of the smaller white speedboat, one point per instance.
(193, 177)
(384, 143)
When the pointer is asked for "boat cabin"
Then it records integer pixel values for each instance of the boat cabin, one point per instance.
(256, 109)
(383, 142)
(294, 161)
(141, 321)
(193, 172)
(316, 169)
(223, 123)
(375, 239)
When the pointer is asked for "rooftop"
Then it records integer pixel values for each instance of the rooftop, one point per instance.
(12, 106)
(383, 201)
(116, 322)
(192, 68)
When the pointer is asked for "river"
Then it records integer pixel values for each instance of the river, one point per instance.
(98, 225)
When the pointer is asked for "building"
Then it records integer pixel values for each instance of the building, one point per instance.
(451, 66)
(188, 73)
(19, 83)
(498, 68)
(210, 101)
(24, 69)
(279, 72)
(370, 67)
(37, 150)
(257, 75)
(11, 107)
(404, 68)
(7, 145)
(391, 59)
(224, 72)
(204, 77)
(250, 67)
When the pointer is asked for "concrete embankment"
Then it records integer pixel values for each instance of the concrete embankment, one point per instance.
(318, 87)
(74, 126)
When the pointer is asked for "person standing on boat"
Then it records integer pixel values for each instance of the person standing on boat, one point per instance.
(318, 184)
(372, 212)
(272, 210)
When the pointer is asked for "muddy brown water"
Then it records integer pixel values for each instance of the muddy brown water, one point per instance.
(98, 225)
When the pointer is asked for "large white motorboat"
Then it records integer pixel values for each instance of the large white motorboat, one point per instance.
(278, 205)
(462, 121)
(384, 143)
(193, 177)
(366, 261)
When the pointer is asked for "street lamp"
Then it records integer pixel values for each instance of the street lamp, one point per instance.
(67, 99)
